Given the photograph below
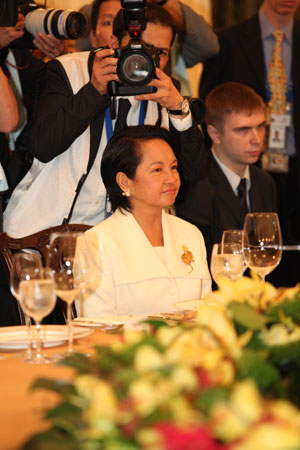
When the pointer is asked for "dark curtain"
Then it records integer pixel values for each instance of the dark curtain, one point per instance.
(230, 12)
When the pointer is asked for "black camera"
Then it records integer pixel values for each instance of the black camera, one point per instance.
(138, 60)
(8, 13)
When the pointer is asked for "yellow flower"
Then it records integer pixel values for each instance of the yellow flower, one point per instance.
(245, 289)
(278, 334)
(145, 396)
(215, 317)
(184, 378)
(186, 348)
(270, 436)
(147, 358)
(230, 420)
(187, 257)
(165, 335)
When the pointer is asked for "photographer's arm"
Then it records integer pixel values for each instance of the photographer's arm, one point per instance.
(198, 41)
(184, 127)
(61, 116)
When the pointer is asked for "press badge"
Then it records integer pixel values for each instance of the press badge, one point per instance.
(276, 158)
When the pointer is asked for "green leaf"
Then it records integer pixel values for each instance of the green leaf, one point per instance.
(79, 361)
(246, 315)
(66, 411)
(290, 308)
(62, 387)
(53, 439)
(254, 364)
(286, 355)
(208, 398)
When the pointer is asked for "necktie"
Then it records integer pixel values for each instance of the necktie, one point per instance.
(277, 76)
(242, 195)
(124, 107)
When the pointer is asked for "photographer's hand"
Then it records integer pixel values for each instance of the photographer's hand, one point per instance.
(166, 95)
(49, 45)
(9, 34)
(104, 70)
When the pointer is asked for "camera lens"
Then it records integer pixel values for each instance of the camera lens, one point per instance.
(61, 24)
(136, 69)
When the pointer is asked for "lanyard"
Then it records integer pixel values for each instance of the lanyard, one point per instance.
(108, 121)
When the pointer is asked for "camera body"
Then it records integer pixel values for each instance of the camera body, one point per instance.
(138, 60)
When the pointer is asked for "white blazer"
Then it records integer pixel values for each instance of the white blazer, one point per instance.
(131, 276)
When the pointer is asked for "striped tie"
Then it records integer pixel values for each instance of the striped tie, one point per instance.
(277, 77)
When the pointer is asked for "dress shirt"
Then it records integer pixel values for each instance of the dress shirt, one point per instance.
(91, 203)
(268, 42)
(233, 178)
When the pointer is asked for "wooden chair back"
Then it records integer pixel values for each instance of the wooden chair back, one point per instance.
(38, 241)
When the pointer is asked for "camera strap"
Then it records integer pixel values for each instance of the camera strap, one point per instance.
(108, 120)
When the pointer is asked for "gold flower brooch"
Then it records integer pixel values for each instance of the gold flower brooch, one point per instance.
(187, 257)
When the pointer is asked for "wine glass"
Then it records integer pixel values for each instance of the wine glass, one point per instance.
(68, 283)
(38, 298)
(232, 242)
(262, 243)
(26, 266)
(226, 264)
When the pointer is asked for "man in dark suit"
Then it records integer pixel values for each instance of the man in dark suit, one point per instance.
(235, 118)
(245, 55)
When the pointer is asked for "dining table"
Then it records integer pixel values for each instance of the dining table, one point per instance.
(21, 408)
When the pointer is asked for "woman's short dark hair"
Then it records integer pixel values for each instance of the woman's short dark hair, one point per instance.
(123, 153)
(154, 13)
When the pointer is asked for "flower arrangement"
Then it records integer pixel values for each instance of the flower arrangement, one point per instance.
(227, 381)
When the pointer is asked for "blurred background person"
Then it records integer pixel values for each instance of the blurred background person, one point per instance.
(24, 70)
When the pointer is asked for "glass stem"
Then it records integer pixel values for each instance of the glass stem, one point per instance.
(38, 341)
(70, 328)
(262, 277)
(28, 333)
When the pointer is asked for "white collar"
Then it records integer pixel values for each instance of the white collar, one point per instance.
(232, 177)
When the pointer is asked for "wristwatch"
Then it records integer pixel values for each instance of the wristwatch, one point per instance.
(184, 108)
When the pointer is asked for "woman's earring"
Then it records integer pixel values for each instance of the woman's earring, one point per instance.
(126, 194)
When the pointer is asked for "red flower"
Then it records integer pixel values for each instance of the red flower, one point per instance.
(193, 438)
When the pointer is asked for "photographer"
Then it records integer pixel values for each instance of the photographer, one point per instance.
(71, 122)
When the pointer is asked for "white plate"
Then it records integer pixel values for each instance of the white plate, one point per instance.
(111, 320)
(15, 338)
(182, 315)
(192, 305)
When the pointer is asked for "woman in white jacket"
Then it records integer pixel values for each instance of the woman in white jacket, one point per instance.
(145, 260)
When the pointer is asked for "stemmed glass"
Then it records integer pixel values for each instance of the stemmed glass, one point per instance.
(232, 242)
(69, 280)
(262, 243)
(227, 264)
(26, 266)
(38, 298)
